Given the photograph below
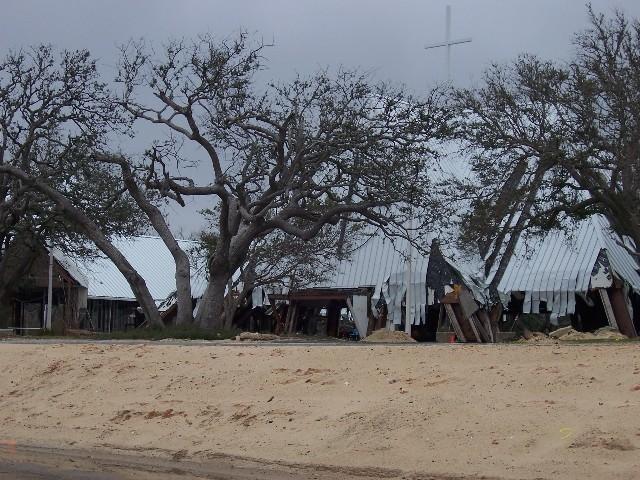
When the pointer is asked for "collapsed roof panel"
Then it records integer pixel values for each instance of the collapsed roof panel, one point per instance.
(555, 267)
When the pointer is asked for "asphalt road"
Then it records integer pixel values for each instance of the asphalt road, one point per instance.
(24, 462)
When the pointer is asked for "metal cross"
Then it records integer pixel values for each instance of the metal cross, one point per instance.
(448, 42)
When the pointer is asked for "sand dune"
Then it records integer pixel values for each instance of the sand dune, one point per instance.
(505, 411)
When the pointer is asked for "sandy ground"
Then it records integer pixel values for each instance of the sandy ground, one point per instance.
(378, 411)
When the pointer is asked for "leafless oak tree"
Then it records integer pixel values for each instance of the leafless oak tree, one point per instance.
(54, 113)
(292, 157)
(283, 261)
(552, 143)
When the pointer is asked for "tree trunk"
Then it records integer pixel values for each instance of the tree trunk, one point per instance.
(64, 205)
(211, 309)
(184, 315)
(183, 288)
(230, 305)
(137, 283)
(525, 211)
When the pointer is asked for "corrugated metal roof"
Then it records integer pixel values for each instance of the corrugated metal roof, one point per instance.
(550, 267)
(560, 263)
(622, 262)
(379, 257)
(372, 262)
(71, 268)
(151, 259)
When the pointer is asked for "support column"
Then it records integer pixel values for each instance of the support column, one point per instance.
(611, 318)
(621, 312)
(47, 321)
(333, 319)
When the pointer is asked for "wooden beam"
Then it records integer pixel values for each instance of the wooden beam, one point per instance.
(454, 321)
(621, 312)
(484, 317)
(474, 327)
(611, 318)
(479, 328)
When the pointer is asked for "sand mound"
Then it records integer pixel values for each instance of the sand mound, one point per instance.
(537, 337)
(609, 333)
(386, 336)
(561, 332)
(257, 337)
(571, 334)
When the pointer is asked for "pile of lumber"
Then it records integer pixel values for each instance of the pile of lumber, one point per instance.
(470, 322)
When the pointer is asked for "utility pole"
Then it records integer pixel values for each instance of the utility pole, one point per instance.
(47, 322)
(408, 299)
(448, 42)
(409, 311)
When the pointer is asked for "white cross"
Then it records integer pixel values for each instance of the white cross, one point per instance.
(448, 42)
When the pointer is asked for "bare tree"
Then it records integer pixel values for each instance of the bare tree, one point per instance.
(53, 114)
(281, 260)
(514, 141)
(135, 180)
(292, 158)
(554, 143)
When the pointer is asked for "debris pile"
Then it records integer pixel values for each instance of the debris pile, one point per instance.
(536, 337)
(604, 333)
(385, 336)
(570, 334)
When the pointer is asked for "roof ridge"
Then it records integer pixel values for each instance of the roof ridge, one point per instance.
(599, 222)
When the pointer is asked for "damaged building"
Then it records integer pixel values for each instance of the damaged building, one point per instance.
(91, 293)
(369, 290)
(584, 277)
(24, 304)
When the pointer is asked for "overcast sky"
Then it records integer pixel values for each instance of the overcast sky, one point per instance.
(385, 37)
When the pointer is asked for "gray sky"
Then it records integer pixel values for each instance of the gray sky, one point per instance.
(385, 37)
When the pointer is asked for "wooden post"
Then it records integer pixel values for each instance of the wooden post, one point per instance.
(333, 319)
(479, 329)
(484, 317)
(294, 318)
(621, 312)
(474, 327)
(454, 322)
(47, 320)
(611, 318)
